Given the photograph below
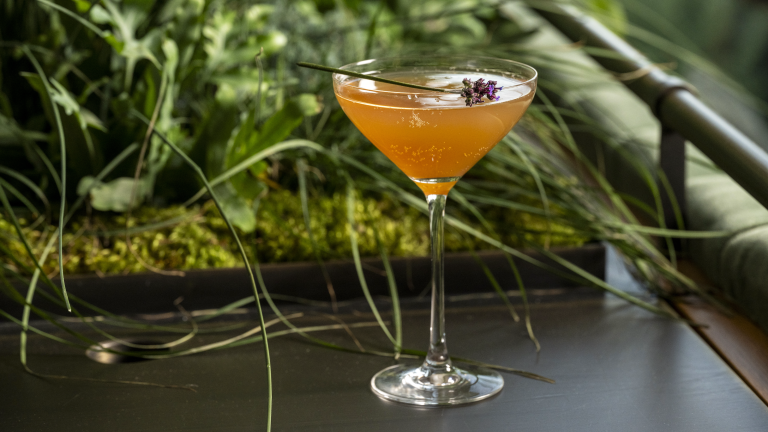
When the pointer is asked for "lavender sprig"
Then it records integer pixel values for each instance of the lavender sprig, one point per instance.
(473, 92)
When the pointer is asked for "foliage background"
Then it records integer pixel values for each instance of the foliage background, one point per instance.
(193, 62)
(276, 145)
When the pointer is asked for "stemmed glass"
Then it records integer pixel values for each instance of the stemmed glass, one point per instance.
(435, 138)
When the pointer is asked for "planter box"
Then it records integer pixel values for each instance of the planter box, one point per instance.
(204, 289)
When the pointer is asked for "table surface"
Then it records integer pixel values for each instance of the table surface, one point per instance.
(617, 368)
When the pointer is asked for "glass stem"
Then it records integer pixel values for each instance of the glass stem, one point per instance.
(437, 360)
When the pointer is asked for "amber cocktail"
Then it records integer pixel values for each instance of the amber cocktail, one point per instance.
(435, 138)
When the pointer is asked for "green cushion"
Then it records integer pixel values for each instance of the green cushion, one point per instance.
(737, 263)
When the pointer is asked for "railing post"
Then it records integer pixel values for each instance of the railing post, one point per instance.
(672, 164)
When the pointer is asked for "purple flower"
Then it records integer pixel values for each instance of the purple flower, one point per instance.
(473, 93)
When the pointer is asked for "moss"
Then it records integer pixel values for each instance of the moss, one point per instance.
(198, 238)
(281, 234)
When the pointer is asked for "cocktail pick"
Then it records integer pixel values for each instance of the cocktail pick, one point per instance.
(473, 91)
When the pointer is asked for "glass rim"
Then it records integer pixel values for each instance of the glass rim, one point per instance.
(339, 78)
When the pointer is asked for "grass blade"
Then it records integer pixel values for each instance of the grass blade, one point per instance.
(63, 169)
(28, 183)
(244, 165)
(526, 306)
(358, 263)
(77, 17)
(246, 261)
(301, 169)
(398, 320)
(47, 162)
(20, 196)
(372, 29)
(35, 276)
(539, 185)
(496, 286)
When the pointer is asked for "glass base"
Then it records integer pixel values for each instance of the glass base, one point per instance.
(415, 385)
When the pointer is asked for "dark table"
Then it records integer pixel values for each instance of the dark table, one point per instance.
(618, 368)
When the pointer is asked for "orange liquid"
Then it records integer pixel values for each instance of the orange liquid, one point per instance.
(434, 138)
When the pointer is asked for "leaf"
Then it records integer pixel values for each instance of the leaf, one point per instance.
(235, 56)
(125, 22)
(82, 5)
(225, 50)
(117, 45)
(158, 153)
(309, 104)
(91, 120)
(171, 52)
(143, 5)
(67, 100)
(64, 98)
(216, 33)
(279, 126)
(236, 208)
(86, 183)
(37, 84)
(242, 139)
(74, 16)
(99, 15)
(115, 195)
(137, 49)
(12, 134)
(246, 81)
(257, 15)
(247, 141)
(210, 144)
(246, 185)
(8, 131)
(272, 41)
(238, 147)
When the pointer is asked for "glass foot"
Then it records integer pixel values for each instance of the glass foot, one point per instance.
(417, 385)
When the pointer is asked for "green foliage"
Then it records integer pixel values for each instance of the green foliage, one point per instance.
(188, 65)
(108, 57)
(191, 61)
(115, 195)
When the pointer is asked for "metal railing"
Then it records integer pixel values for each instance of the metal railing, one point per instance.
(682, 115)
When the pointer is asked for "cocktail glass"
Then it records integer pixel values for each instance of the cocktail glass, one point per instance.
(435, 138)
